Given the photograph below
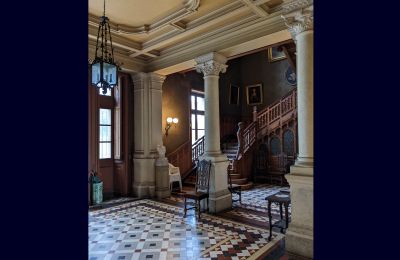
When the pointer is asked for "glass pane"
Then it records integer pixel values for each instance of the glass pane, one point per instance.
(193, 136)
(95, 73)
(105, 150)
(105, 116)
(200, 103)
(200, 122)
(200, 133)
(105, 133)
(193, 121)
(107, 94)
(110, 73)
(193, 102)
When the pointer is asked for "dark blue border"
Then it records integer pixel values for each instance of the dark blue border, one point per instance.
(355, 131)
(44, 130)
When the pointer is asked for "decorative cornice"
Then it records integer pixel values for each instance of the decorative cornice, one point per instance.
(211, 64)
(295, 5)
(246, 28)
(222, 38)
(299, 16)
(189, 6)
(192, 5)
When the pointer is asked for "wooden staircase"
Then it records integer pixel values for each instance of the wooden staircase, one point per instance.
(270, 121)
(230, 149)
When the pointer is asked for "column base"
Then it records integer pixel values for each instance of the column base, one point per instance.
(144, 190)
(299, 236)
(220, 201)
(220, 198)
(144, 177)
(305, 161)
(299, 244)
(162, 178)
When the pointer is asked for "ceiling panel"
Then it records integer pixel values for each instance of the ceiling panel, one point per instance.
(135, 12)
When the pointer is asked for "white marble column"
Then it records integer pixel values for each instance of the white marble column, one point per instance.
(211, 65)
(148, 130)
(299, 18)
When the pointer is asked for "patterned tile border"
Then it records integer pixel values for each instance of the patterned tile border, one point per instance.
(231, 239)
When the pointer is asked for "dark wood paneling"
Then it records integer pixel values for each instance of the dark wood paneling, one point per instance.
(182, 157)
(115, 174)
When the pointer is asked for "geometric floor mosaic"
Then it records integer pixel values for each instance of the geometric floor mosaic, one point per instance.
(147, 229)
(254, 199)
(254, 208)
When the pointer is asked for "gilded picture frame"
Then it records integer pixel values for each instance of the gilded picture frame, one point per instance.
(275, 55)
(254, 94)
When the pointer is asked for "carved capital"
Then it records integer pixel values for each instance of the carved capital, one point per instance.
(211, 64)
(299, 16)
(211, 68)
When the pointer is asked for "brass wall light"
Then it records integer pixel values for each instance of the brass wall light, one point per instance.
(170, 121)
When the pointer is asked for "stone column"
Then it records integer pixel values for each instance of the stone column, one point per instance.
(211, 65)
(148, 130)
(298, 16)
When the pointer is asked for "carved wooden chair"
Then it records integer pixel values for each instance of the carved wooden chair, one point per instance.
(277, 168)
(234, 188)
(202, 187)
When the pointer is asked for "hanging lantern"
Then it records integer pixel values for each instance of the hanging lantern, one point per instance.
(104, 69)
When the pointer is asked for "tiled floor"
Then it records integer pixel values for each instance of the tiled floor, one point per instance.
(146, 229)
(253, 209)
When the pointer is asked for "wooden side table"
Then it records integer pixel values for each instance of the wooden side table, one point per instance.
(283, 199)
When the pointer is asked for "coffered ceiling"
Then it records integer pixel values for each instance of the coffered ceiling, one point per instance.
(166, 35)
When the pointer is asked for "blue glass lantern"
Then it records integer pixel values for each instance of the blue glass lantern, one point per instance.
(104, 69)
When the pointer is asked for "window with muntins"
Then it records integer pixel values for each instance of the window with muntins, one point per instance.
(197, 119)
(105, 138)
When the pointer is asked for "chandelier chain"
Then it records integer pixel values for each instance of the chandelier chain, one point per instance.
(104, 68)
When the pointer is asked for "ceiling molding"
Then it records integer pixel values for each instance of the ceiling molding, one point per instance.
(189, 6)
(219, 15)
(239, 50)
(226, 37)
(235, 23)
(255, 8)
(124, 61)
(118, 40)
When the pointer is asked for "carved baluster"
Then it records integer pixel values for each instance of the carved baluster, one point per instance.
(240, 138)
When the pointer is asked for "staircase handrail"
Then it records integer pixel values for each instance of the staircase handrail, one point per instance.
(197, 149)
(265, 118)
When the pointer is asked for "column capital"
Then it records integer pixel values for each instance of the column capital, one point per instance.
(158, 78)
(140, 78)
(298, 16)
(211, 64)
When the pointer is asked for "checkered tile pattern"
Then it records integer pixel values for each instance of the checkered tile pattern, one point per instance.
(148, 229)
(254, 199)
(253, 209)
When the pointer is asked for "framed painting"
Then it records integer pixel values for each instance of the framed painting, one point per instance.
(233, 94)
(274, 54)
(254, 94)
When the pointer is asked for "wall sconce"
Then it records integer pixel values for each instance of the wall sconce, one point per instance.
(170, 121)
